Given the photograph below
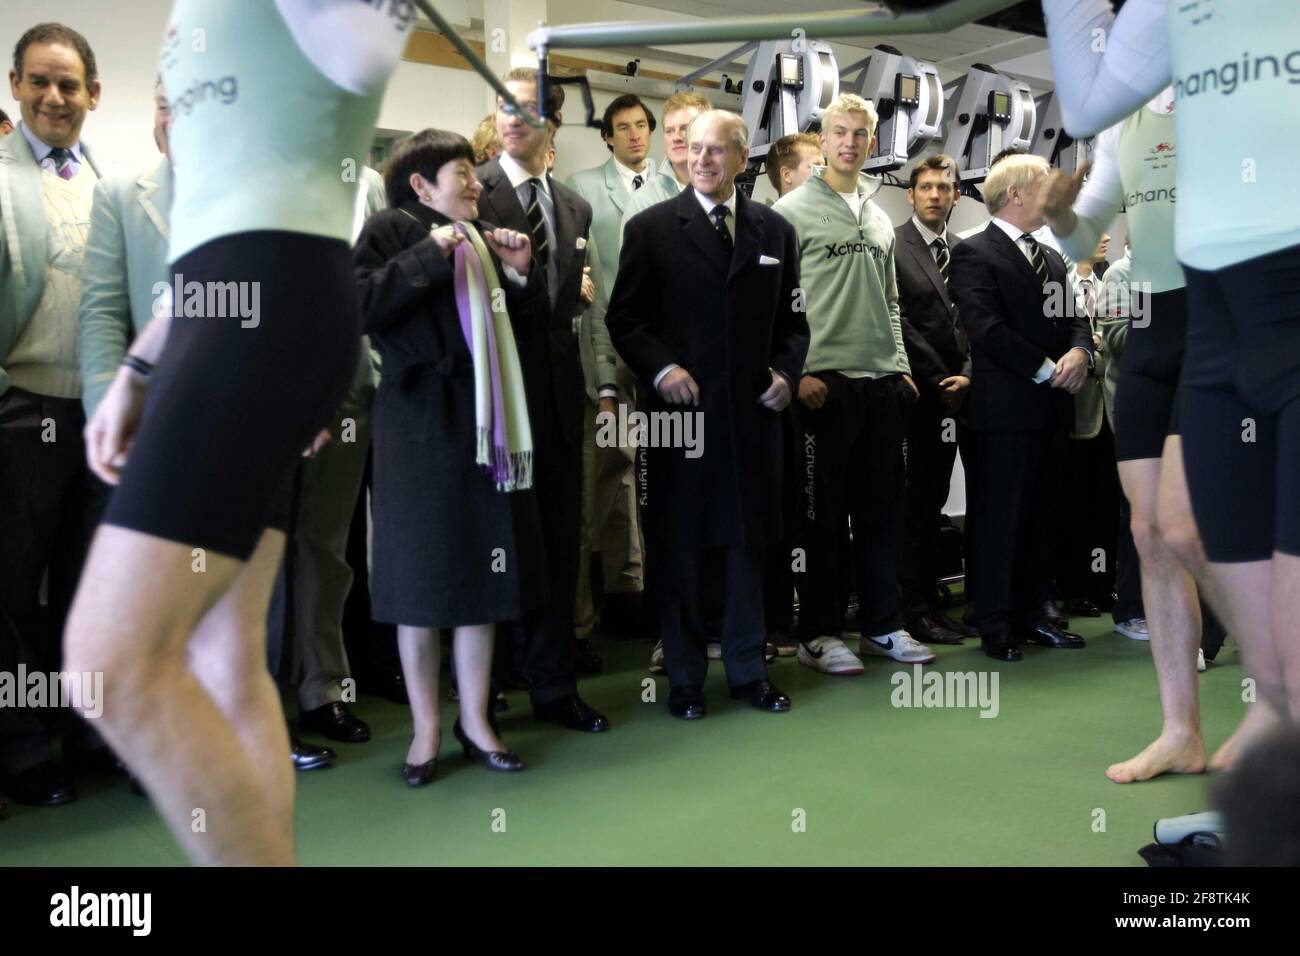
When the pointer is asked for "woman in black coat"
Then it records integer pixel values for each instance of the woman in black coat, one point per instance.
(452, 548)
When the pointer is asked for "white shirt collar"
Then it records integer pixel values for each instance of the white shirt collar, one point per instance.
(708, 204)
(518, 175)
(627, 175)
(1013, 232)
(927, 235)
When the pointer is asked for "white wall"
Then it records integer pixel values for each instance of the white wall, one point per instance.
(125, 35)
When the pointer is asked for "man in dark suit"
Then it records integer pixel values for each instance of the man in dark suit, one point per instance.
(706, 314)
(1030, 354)
(519, 193)
(939, 354)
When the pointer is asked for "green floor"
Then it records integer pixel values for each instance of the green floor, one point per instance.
(878, 785)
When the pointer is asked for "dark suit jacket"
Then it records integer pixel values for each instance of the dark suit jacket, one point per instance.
(679, 299)
(1008, 315)
(552, 367)
(937, 346)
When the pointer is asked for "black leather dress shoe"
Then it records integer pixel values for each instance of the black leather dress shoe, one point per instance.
(1082, 607)
(586, 660)
(687, 703)
(309, 756)
(1053, 613)
(763, 695)
(957, 627)
(43, 785)
(335, 722)
(571, 712)
(1000, 647)
(929, 631)
(1047, 634)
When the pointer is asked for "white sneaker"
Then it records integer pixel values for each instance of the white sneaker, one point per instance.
(898, 645)
(714, 650)
(1200, 659)
(1135, 629)
(829, 655)
(657, 659)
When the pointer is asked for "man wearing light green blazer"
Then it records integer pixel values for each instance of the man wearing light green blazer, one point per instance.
(610, 522)
(124, 273)
(47, 182)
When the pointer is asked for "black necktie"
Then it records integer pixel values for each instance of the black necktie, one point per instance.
(637, 182)
(941, 258)
(537, 223)
(719, 215)
(1036, 258)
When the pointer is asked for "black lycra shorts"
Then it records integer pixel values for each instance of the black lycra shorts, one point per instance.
(1240, 406)
(1146, 409)
(241, 389)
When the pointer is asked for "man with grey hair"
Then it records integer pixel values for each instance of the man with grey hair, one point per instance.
(705, 312)
(1030, 354)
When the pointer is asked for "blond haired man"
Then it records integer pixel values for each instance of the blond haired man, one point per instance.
(852, 401)
(1029, 356)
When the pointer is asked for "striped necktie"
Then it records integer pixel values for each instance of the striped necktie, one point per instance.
(720, 214)
(537, 223)
(941, 258)
(1036, 258)
(637, 182)
(62, 158)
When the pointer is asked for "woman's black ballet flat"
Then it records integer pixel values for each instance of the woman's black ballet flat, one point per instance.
(505, 761)
(418, 774)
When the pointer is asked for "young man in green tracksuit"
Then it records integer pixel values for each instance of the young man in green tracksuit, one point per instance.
(852, 401)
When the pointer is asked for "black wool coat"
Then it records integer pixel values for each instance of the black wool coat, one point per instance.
(449, 549)
(680, 299)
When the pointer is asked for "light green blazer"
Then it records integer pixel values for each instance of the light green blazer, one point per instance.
(604, 189)
(126, 258)
(23, 240)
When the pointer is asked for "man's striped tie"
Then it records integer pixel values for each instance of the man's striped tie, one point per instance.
(942, 258)
(1036, 258)
(537, 223)
(62, 161)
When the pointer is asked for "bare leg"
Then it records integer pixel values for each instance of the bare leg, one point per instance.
(1286, 624)
(228, 656)
(1239, 593)
(138, 605)
(473, 674)
(1174, 619)
(420, 652)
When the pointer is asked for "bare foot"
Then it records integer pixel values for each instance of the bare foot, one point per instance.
(1260, 718)
(1166, 754)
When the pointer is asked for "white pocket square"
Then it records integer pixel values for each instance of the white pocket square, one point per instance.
(768, 261)
(582, 243)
